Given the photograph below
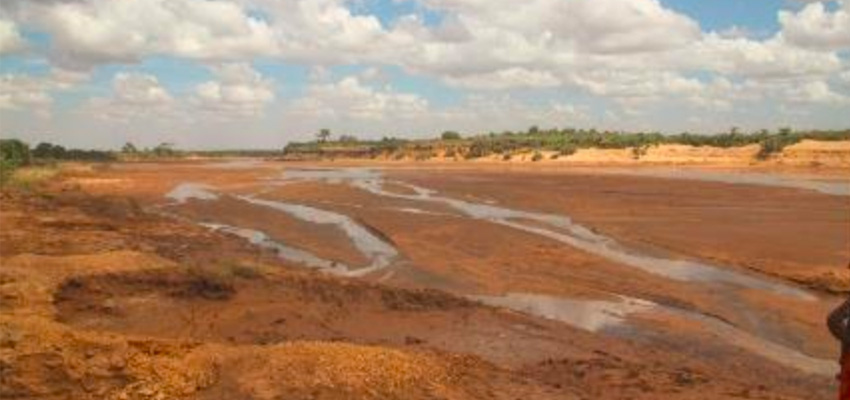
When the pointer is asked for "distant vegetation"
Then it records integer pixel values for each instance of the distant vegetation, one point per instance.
(13, 154)
(564, 142)
(450, 144)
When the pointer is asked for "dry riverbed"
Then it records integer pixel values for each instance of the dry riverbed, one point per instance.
(256, 280)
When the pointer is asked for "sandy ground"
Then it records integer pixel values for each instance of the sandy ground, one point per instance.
(112, 290)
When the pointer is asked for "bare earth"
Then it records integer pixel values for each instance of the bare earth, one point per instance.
(214, 280)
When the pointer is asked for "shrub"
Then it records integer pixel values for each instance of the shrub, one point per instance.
(639, 151)
(479, 148)
(537, 156)
(450, 135)
(567, 150)
(13, 154)
(244, 272)
(507, 157)
(771, 146)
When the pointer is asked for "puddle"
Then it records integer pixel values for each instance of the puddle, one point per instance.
(330, 175)
(189, 190)
(599, 315)
(379, 252)
(831, 187)
(590, 315)
(285, 252)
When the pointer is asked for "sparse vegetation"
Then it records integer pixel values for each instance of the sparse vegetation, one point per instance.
(639, 151)
(537, 156)
(450, 135)
(563, 141)
(13, 154)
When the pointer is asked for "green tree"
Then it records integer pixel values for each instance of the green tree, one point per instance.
(49, 151)
(13, 154)
(129, 148)
(164, 149)
(323, 135)
(450, 135)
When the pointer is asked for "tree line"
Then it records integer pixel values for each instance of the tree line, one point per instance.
(563, 141)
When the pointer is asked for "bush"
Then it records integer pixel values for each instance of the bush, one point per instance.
(639, 151)
(13, 154)
(567, 150)
(773, 145)
(450, 135)
(537, 156)
(507, 157)
(479, 148)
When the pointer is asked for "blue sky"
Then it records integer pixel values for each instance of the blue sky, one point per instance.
(260, 73)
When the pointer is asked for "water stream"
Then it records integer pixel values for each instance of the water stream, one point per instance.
(380, 253)
(562, 229)
(283, 251)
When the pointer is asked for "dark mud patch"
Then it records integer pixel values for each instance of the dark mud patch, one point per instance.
(257, 309)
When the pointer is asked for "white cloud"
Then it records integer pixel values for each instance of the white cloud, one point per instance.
(350, 98)
(23, 91)
(134, 95)
(816, 27)
(33, 93)
(10, 39)
(814, 92)
(506, 78)
(92, 32)
(647, 85)
(238, 91)
(636, 54)
(489, 113)
(772, 58)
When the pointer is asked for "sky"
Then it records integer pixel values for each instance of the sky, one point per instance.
(207, 74)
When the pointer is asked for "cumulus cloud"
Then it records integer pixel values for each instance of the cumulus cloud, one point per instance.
(627, 52)
(10, 39)
(814, 92)
(87, 33)
(238, 91)
(483, 113)
(771, 58)
(134, 95)
(506, 78)
(25, 92)
(349, 98)
(816, 27)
